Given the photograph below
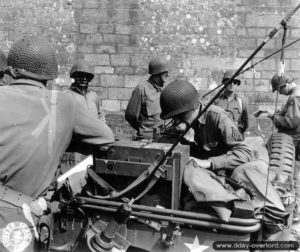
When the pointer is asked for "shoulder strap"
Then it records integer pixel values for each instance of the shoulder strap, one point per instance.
(52, 121)
(240, 103)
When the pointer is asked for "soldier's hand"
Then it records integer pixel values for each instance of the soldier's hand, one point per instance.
(202, 163)
(270, 114)
(190, 135)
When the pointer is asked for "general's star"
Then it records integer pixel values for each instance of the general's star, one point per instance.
(195, 246)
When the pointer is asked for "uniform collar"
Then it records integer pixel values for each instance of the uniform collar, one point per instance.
(202, 118)
(296, 91)
(223, 96)
(28, 82)
(158, 88)
(77, 90)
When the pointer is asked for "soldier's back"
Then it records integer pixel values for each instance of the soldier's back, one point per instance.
(36, 127)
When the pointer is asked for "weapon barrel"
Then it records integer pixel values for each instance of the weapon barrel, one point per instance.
(270, 35)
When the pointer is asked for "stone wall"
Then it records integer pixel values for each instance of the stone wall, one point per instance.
(201, 38)
(53, 19)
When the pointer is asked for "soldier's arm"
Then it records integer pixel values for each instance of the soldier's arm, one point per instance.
(133, 109)
(291, 119)
(90, 130)
(237, 151)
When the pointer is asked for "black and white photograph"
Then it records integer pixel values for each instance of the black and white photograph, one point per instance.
(149, 125)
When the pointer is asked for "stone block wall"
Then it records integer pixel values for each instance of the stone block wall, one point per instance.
(201, 38)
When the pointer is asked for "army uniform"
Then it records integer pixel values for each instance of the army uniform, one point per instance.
(36, 127)
(219, 147)
(83, 73)
(236, 109)
(25, 125)
(143, 110)
(217, 138)
(90, 101)
(235, 106)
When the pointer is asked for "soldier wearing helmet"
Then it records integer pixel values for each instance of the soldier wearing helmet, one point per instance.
(216, 145)
(143, 109)
(37, 125)
(82, 73)
(215, 138)
(287, 120)
(235, 106)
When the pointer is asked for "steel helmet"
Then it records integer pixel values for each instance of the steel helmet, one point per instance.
(33, 57)
(178, 97)
(278, 81)
(228, 74)
(157, 66)
(82, 66)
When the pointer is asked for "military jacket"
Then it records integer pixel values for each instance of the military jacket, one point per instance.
(237, 110)
(217, 138)
(288, 119)
(143, 110)
(36, 127)
(90, 101)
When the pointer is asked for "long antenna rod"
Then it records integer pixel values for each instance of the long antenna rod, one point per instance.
(254, 64)
(269, 36)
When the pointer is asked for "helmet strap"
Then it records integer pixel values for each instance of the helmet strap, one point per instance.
(17, 73)
(157, 80)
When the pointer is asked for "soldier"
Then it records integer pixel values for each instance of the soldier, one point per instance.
(217, 146)
(83, 73)
(3, 63)
(216, 141)
(143, 109)
(36, 127)
(287, 121)
(235, 106)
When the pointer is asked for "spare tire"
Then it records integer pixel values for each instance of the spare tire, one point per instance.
(282, 159)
